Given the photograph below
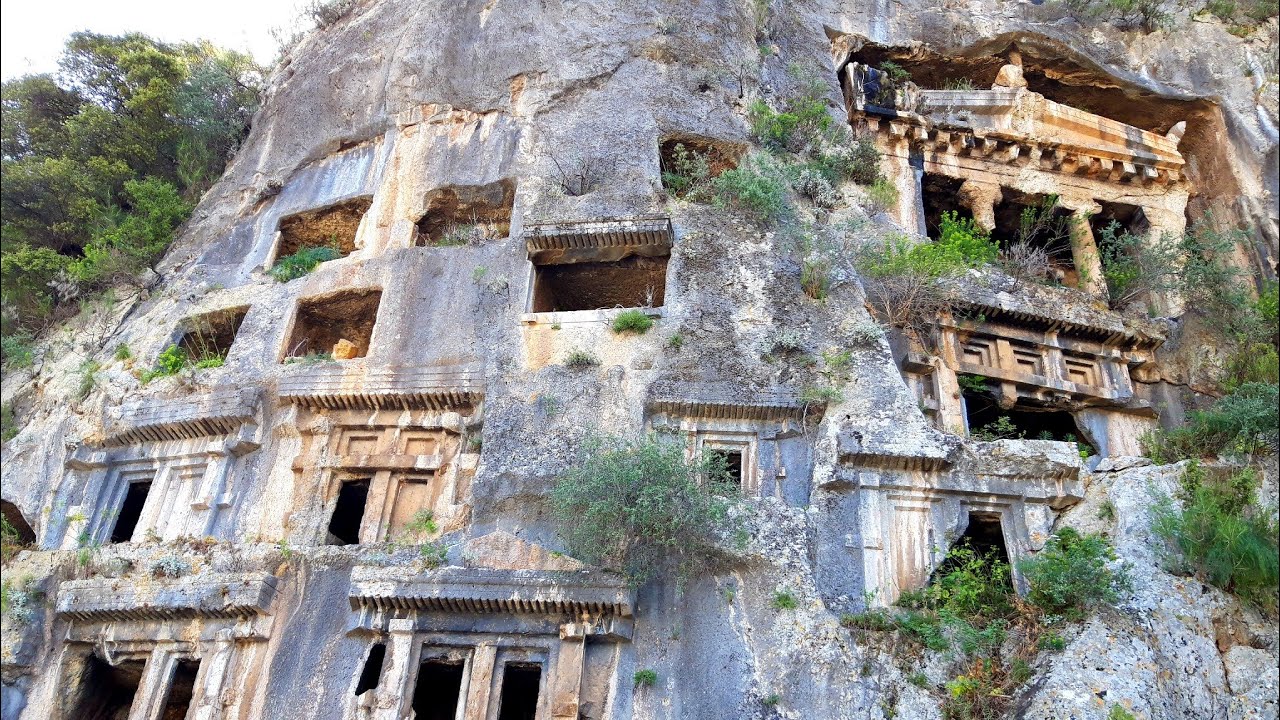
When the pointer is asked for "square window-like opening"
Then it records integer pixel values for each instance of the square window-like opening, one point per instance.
(135, 499)
(323, 324)
(988, 421)
(466, 214)
(1034, 233)
(182, 689)
(941, 194)
(107, 691)
(348, 512)
(635, 281)
(688, 164)
(210, 336)
(730, 459)
(520, 684)
(333, 226)
(438, 690)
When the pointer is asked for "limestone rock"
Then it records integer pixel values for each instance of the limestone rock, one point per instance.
(344, 349)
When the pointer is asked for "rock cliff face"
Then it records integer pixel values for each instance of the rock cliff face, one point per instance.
(229, 542)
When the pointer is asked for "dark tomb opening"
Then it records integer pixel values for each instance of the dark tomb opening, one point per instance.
(466, 214)
(348, 512)
(372, 671)
(1035, 230)
(322, 322)
(181, 690)
(941, 194)
(130, 511)
(333, 226)
(106, 691)
(210, 335)
(520, 683)
(436, 693)
(988, 421)
(632, 282)
(22, 534)
(732, 463)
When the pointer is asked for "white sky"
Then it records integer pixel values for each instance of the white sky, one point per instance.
(32, 32)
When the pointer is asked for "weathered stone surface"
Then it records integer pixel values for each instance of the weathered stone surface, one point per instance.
(217, 595)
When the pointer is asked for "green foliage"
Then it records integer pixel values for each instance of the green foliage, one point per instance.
(1250, 11)
(102, 162)
(688, 174)
(1118, 712)
(1002, 428)
(645, 678)
(640, 507)
(784, 600)
(881, 195)
(1071, 576)
(422, 523)
(1243, 421)
(815, 395)
(171, 362)
(973, 383)
(8, 423)
(1147, 15)
(874, 620)
(10, 540)
(123, 352)
(88, 378)
(772, 700)
(815, 277)
(1052, 641)
(1230, 543)
(675, 341)
(924, 628)
(301, 263)
(636, 321)
(433, 554)
(16, 351)
(580, 359)
(757, 188)
(918, 679)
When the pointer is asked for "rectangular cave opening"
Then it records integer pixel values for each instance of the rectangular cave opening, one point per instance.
(941, 194)
(635, 281)
(371, 674)
(210, 336)
(333, 226)
(982, 539)
(348, 512)
(182, 688)
(466, 214)
(135, 499)
(1034, 234)
(339, 325)
(107, 691)
(731, 460)
(988, 421)
(687, 162)
(437, 690)
(520, 684)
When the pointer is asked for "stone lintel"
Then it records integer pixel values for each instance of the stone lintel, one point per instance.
(474, 590)
(220, 412)
(601, 240)
(858, 451)
(722, 400)
(219, 595)
(341, 386)
(426, 463)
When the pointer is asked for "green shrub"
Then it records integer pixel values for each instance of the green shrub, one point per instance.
(88, 378)
(874, 620)
(881, 195)
(16, 350)
(579, 359)
(640, 507)
(1071, 576)
(8, 423)
(815, 277)
(924, 628)
(1244, 421)
(10, 540)
(757, 187)
(1051, 641)
(123, 352)
(1229, 542)
(784, 600)
(1147, 15)
(1118, 712)
(1252, 363)
(299, 264)
(688, 175)
(815, 395)
(636, 321)
(171, 362)
(1002, 428)
(645, 678)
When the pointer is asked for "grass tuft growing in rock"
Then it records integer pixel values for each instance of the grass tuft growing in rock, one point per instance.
(301, 263)
(634, 321)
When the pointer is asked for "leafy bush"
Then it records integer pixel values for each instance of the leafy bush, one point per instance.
(88, 378)
(170, 566)
(579, 359)
(1002, 428)
(645, 678)
(815, 277)
(688, 175)
(1148, 15)
(1229, 542)
(757, 187)
(981, 693)
(1243, 421)
(301, 263)
(1245, 11)
(16, 351)
(171, 362)
(881, 195)
(784, 600)
(10, 540)
(1071, 576)
(636, 321)
(640, 507)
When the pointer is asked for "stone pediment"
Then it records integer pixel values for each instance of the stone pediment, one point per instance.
(595, 241)
(220, 595)
(354, 385)
(220, 412)
(729, 401)
(473, 590)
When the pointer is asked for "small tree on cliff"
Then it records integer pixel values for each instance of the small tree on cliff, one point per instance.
(640, 507)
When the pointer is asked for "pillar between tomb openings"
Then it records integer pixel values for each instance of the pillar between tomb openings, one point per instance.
(392, 691)
(981, 200)
(567, 677)
(1084, 248)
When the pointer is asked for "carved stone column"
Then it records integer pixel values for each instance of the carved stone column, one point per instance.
(567, 676)
(981, 200)
(393, 689)
(1084, 248)
(479, 683)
